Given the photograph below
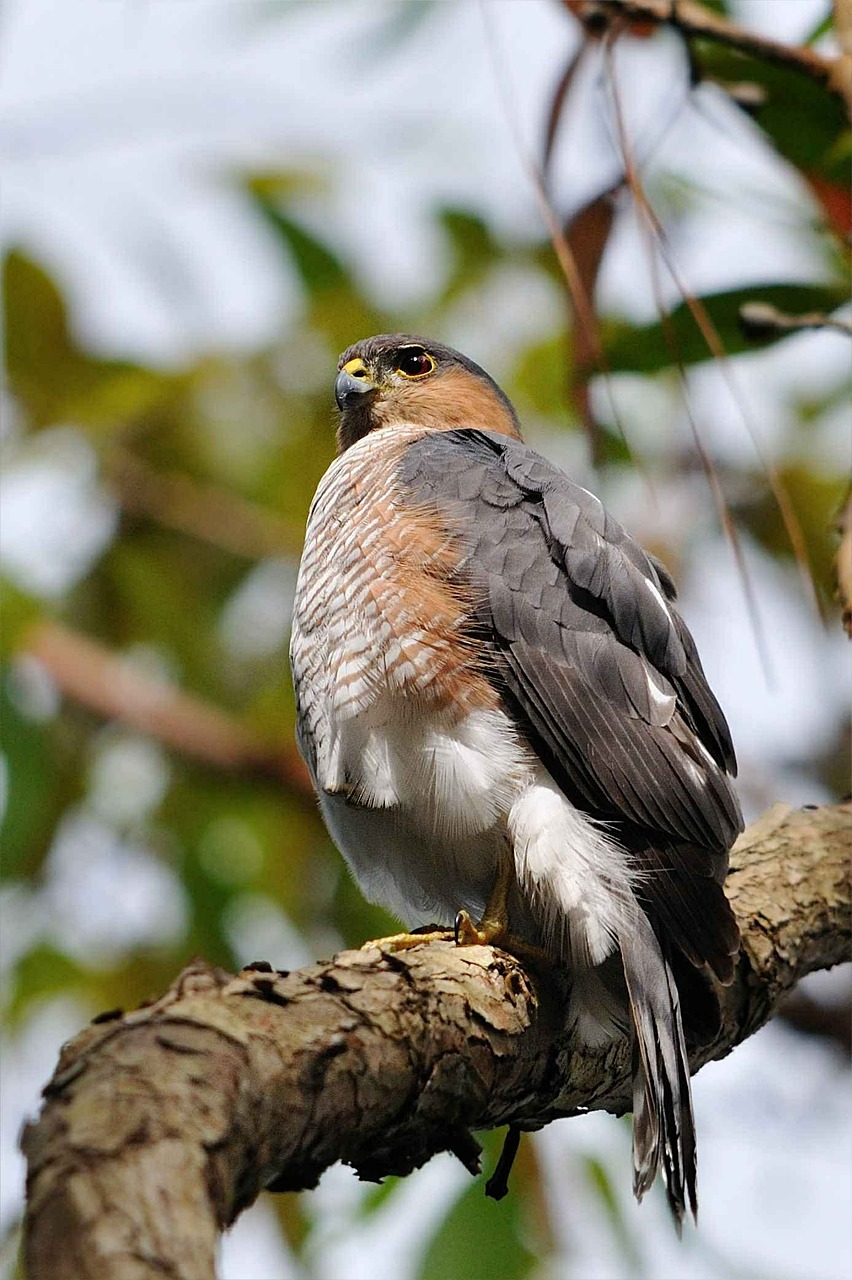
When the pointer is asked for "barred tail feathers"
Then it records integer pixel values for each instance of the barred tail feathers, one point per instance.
(663, 1125)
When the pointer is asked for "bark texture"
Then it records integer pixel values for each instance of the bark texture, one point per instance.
(161, 1125)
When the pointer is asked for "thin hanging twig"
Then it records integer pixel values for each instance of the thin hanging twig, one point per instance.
(581, 301)
(715, 345)
(723, 511)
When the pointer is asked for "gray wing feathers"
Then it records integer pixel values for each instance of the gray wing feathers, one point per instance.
(584, 633)
(600, 558)
(591, 653)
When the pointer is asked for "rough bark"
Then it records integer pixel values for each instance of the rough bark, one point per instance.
(161, 1125)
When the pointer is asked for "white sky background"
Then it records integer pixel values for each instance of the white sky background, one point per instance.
(119, 123)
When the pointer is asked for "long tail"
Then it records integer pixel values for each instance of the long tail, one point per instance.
(663, 1125)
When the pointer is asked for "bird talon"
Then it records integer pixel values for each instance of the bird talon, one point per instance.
(468, 934)
(464, 930)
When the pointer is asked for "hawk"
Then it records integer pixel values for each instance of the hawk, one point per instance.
(505, 716)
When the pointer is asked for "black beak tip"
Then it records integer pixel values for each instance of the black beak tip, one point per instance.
(348, 390)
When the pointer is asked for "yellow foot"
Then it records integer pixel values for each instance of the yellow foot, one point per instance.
(495, 933)
(402, 941)
(468, 934)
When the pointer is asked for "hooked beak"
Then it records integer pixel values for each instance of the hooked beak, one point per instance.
(351, 384)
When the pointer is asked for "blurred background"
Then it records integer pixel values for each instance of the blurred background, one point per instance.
(204, 202)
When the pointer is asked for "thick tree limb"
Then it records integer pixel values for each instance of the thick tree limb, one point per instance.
(160, 1126)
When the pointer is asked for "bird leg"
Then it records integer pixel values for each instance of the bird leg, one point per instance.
(494, 925)
(493, 928)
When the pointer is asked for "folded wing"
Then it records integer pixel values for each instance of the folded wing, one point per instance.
(584, 639)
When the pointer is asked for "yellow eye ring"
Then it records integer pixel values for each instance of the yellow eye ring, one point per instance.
(414, 362)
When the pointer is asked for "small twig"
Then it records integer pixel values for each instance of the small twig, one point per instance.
(716, 347)
(554, 115)
(587, 328)
(761, 320)
(843, 564)
(648, 226)
(694, 19)
(497, 1185)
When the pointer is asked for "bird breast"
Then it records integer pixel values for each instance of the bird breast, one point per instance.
(378, 649)
(409, 748)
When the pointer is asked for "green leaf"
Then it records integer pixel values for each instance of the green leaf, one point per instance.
(339, 308)
(48, 373)
(653, 347)
(803, 119)
(474, 250)
(296, 1223)
(19, 611)
(151, 585)
(601, 1183)
(541, 376)
(378, 1195)
(318, 268)
(816, 498)
(397, 25)
(33, 796)
(41, 972)
(257, 13)
(822, 28)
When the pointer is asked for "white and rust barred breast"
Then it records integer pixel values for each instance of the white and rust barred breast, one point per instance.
(377, 614)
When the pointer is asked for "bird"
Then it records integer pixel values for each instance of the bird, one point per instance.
(507, 723)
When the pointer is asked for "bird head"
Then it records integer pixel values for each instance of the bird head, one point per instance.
(394, 378)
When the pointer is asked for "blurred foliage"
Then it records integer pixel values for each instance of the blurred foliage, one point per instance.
(499, 1241)
(806, 125)
(246, 437)
(649, 348)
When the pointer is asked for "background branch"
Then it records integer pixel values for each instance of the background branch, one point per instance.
(204, 511)
(760, 318)
(694, 19)
(110, 685)
(160, 1126)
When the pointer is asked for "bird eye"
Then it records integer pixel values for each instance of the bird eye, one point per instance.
(414, 363)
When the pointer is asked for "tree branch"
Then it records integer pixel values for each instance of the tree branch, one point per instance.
(201, 510)
(696, 20)
(108, 684)
(161, 1125)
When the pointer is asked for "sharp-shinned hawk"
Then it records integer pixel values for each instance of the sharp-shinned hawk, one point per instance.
(504, 712)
